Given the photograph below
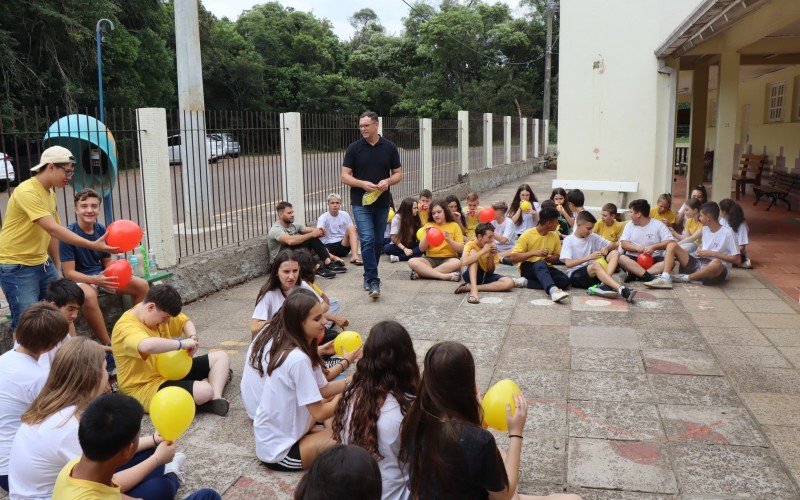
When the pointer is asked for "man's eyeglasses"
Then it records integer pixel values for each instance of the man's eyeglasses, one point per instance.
(367, 125)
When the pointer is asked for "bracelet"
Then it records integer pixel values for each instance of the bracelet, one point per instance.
(515, 436)
(348, 363)
(154, 439)
(180, 345)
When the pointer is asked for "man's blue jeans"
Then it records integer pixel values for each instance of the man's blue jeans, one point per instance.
(24, 285)
(371, 224)
(540, 276)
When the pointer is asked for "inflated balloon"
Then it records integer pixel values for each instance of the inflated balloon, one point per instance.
(172, 411)
(603, 262)
(120, 269)
(435, 237)
(486, 215)
(421, 233)
(494, 403)
(391, 216)
(349, 340)
(525, 206)
(645, 260)
(174, 365)
(124, 235)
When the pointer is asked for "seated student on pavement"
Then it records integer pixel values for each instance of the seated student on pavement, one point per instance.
(154, 326)
(479, 260)
(643, 235)
(85, 267)
(340, 236)
(717, 254)
(284, 233)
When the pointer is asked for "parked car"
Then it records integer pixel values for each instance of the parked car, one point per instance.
(7, 175)
(214, 149)
(230, 146)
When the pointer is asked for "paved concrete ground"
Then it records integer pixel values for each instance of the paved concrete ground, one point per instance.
(692, 392)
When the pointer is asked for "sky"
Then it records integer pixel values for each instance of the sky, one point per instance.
(390, 12)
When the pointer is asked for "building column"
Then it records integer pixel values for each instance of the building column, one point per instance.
(727, 107)
(697, 127)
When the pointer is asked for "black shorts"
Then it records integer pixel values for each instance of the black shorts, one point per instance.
(580, 278)
(483, 277)
(290, 463)
(336, 248)
(199, 371)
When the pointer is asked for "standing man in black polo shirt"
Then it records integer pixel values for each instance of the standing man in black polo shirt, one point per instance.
(371, 165)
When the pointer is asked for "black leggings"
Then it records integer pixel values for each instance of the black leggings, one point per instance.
(317, 246)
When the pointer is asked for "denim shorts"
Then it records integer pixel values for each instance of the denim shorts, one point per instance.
(24, 285)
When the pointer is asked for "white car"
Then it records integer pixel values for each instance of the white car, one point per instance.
(214, 149)
(7, 175)
(229, 144)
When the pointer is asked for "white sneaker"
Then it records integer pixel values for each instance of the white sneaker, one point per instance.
(175, 466)
(659, 283)
(747, 264)
(681, 278)
(520, 282)
(394, 258)
(557, 294)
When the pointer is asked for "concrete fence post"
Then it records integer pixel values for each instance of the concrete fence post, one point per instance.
(546, 135)
(507, 140)
(159, 208)
(292, 165)
(463, 141)
(487, 140)
(523, 139)
(426, 151)
(380, 126)
(535, 132)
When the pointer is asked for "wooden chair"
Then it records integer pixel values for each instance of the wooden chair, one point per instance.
(750, 173)
(778, 188)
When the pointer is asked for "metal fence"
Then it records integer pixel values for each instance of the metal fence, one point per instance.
(476, 153)
(404, 132)
(445, 153)
(498, 153)
(516, 149)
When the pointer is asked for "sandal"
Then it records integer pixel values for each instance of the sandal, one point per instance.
(473, 300)
(462, 288)
(357, 262)
(216, 406)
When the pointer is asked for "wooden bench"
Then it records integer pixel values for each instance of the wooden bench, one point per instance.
(778, 187)
(750, 173)
(620, 188)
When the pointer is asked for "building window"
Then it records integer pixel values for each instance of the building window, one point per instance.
(712, 118)
(776, 93)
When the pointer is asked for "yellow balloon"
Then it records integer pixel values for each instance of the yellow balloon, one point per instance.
(174, 365)
(603, 262)
(172, 412)
(525, 206)
(349, 340)
(494, 403)
(391, 216)
(421, 233)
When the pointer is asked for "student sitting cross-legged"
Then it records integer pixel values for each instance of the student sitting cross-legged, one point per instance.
(537, 250)
(642, 235)
(582, 251)
(479, 258)
(155, 326)
(440, 262)
(714, 259)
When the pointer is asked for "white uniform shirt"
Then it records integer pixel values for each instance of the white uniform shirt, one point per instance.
(652, 234)
(273, 300)
(507, 229)
(576, 248)
(335, 227)
(723, 241)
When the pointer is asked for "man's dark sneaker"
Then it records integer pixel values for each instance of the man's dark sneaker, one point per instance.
(324, 272)
(366, 285)
(627, 293)
(337, 267)
(374, 290)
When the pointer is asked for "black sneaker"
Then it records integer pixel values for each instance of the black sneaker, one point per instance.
(374, 290)
(366, 285)
(506, 261)
(627, 293)
(630, 277)
(337, 267)
(324, 272)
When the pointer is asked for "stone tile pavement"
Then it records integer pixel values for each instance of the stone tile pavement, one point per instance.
(688, 393)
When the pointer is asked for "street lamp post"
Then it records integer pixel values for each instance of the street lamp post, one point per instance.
(100, 31)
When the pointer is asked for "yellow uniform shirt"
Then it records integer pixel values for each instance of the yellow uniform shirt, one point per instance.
(691, 226)
(317, 289)
(136, 372)
(612, 232)
(67, 487)
(22, 241)
(531, 240)
(423, 217)
(472, 221)
(444, 250)
(483, 261)
(667, 217)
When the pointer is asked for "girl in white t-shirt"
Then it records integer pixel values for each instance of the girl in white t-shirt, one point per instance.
(524, 219)
(386, 381)
(41, 327)
(48, 437)
(295, 390)
(732, 215)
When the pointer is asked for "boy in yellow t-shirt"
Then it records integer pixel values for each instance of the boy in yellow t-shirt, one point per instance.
(536, 250)
(440, 262)
(479, 258)
(608, 227)
(424, 201)
(663, 210)
(471, 214)
(153, 327)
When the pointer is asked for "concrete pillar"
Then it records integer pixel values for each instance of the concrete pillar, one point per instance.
(727, 107)
(463, 141)
(546, 135)
(536, 134)
(159, 209)
(195, 177)
(380, 125)
(523, 139)
(292, 165)
(697, 139)
(487, 140)
(507, 140)
(426, 151)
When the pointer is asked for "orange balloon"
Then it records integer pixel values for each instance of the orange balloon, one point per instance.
(645, 260)
(120, 269)
(124, 235)
(435, 237)
(486, 215)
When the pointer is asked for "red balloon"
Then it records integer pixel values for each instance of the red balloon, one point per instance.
(645, 260)
(120, 269)
(124, 234)
(435, 237)
(486, 215)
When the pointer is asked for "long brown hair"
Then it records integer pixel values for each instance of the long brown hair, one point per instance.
(286, 331)
(273, 281)
(409, 223)
(448, 216)
(516, 201)
(446, 402)
(73, 380)
(388, 366)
